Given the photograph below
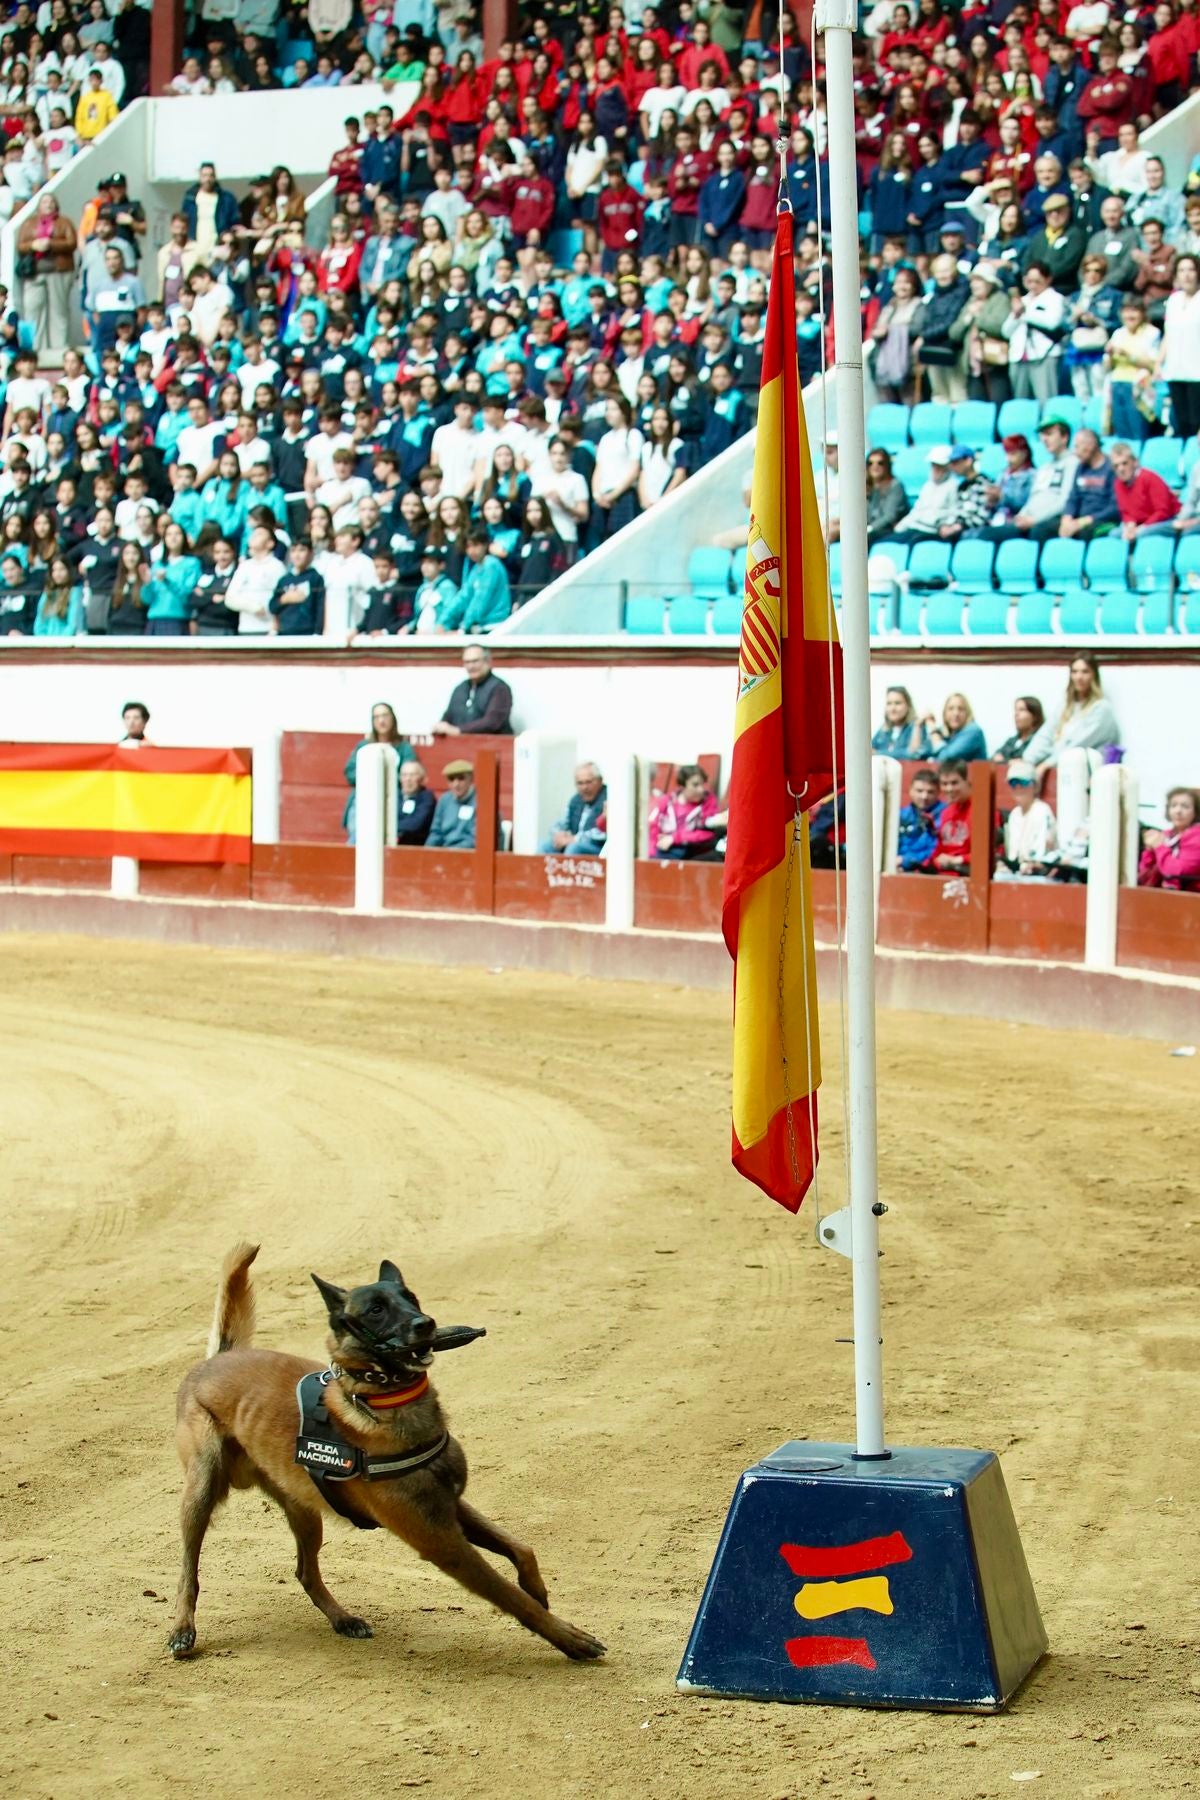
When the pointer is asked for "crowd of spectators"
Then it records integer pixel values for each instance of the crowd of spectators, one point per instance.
(541, 303)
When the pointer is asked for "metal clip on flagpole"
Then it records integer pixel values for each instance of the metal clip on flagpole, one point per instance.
(913, 1551)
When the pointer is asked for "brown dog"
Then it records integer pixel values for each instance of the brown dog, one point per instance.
(236, 1426)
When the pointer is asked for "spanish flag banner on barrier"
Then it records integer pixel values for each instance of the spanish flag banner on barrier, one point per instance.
(789, 708)
(95, 800)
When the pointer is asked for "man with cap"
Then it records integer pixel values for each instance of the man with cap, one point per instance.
(934, 505)
(1039, 517)
(453, 825)
(953, 241)
(1059, 244)
(129, 216)
(972, 501)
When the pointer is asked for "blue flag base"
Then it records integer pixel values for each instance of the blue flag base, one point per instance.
(876, 1583)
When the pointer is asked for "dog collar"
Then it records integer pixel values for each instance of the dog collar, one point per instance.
(389, 1397)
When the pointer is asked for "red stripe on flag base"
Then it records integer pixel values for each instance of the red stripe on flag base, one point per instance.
(846, 1559)
(145, 846)
(782, 1162)
(820, 1652)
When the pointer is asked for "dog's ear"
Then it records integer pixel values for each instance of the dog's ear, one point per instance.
(334, 1297)
(389, 1272)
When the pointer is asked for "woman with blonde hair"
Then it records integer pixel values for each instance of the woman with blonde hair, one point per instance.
(1084, 721)
(956, 735)
(902, 734)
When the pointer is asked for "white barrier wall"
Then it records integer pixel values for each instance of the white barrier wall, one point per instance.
(656, 709)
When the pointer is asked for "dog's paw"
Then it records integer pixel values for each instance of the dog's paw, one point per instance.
(182, 1643)
(351, 1627)
(579, 1645)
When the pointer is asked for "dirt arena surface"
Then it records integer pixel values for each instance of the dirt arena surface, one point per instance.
(549, 1158)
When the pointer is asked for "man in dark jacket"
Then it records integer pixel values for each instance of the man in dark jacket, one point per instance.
(481, 703)
(416, 807)
(207, 196)
(453, 825)
(581, 830)
(1091, 509)
(1059, 244)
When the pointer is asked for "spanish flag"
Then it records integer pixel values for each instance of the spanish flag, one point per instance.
(789, 709)
(94, 800)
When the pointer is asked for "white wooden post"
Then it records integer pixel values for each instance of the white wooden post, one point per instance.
(543, 770)
(885, 819)
(1131, 827)
(125, 876)
(1071, 804)
(371, 788)
(264, 789)
(1104, 862)
(620, 848)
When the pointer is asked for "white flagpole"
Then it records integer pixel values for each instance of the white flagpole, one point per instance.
(836, 18)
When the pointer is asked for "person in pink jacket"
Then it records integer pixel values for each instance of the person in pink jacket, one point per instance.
(1171, 858)
(679, 822)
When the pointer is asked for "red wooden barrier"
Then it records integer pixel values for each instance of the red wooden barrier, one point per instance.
(1158, 930)
(313, 788)
(568, 889)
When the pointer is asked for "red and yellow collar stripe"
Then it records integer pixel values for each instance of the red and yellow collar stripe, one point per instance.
(404, 1396)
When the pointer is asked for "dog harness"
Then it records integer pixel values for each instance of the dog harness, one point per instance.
(329, 1459)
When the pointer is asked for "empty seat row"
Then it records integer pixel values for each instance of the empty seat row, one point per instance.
(1075, 612)
(980, 423)
(1020, 564)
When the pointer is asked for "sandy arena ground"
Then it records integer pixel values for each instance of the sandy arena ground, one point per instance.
(549, 1158)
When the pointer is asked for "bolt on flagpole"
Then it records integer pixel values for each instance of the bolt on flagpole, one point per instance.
(836, 19)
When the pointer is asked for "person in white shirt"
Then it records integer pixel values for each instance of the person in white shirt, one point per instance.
(669, 94)
(535, 448)
(112, 74)
(319, 452)
(247, 445)
(447, 203)
(344, 489)
(213, 300)
(26, 388)
(349, 577)
(198, 442)
(60, 138)
(258, 367)
(454, 449)
(1030, 831)
(565, 492)
(1123, 170)
(1034, 333)
(935, 503)
(254, 581)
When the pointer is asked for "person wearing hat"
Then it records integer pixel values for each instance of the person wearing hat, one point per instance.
(980, 328)
(972, 500)
(1041, 513)
(129, 216)
(453, 825)
(938, 355)
(935, 504)
(1030, 831)
(1059, 244)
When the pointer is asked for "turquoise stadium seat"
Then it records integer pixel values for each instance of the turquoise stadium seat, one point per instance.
(1018, 416)
(987, 615)
(1067, 407)
(991, 461)
(911, 469)
(645, 614)
(1093, 414)
(974, 423)
(688, 615)
(1106, 563)
(737, 571)
(944, 615)
(929, 562)
(565, 245)
(1061, 564)
(971, 566)
(1035, 614)
(1189, 613)
(896, 553)
(708, 571)
(909, 618)
(1119, 612)
(1161, 457)
(1152, 563)
(929, 423)
(727, 616)
(1191, 451)
(1016, 566)
(1077, 612)
(834, 555)
(1158, 612)
(887, 427)
(1187, 557)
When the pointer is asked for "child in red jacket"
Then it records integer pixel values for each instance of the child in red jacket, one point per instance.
(953, 853)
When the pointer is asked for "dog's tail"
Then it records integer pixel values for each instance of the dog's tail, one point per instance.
(233, 1315)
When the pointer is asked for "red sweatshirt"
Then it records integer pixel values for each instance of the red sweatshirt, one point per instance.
(1146, 500)
(533, 206)
(954, 834)
(618, 212)
(688, 174)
